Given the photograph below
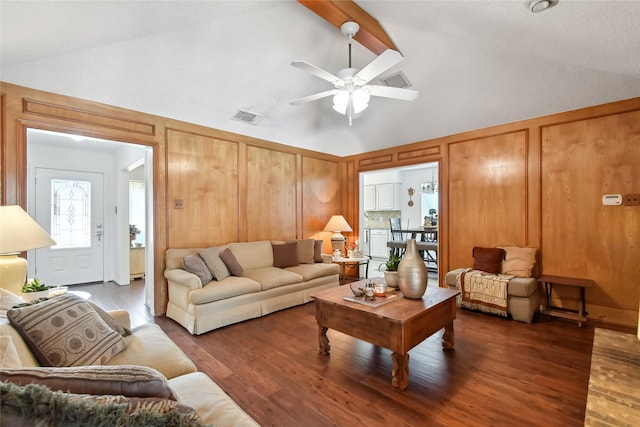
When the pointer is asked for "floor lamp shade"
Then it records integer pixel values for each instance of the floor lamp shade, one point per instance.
(337, 224)
(18, 233)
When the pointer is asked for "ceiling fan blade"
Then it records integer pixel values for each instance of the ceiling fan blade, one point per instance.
(314, 97)
(373, 69)
(393, 92)
(318, 72)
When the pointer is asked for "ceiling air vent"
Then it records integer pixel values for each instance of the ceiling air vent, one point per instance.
(246, 117)
(396, 80)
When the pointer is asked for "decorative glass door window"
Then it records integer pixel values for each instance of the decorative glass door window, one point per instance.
(71, 213)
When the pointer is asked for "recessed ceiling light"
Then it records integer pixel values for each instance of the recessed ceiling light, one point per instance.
(536, 6)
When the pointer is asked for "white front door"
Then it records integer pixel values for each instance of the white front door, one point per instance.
(69, 206)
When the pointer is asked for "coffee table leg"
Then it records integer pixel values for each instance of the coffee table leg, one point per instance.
(400, 373)
(323, 341)
(448, 337)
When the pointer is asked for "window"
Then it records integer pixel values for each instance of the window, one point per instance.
(71, 213)
(137, 212)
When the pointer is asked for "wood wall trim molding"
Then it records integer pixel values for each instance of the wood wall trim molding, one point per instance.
(419, 155)
(76, 115)
(371, 34)
(374, 162)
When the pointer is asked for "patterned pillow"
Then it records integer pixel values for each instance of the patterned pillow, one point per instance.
(211, 257)
(488, 259)
(195, 264)
(125, 380)
(66, 331)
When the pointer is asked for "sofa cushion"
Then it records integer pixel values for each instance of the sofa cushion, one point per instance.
(313, 271)
(228, 288)
(195, 264)
(125, 380)
(518, 261)
(36, 404)
(231, 262)
(488, 259)
(306, 251)
(317, 251)
(285, 255)
(213, 405)
(272, 277)
(253, 254)
(149, 346)
(211, 257)
(522, 287)
(9, 357)
(66, 331)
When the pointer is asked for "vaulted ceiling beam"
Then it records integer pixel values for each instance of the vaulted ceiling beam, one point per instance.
(371, 34)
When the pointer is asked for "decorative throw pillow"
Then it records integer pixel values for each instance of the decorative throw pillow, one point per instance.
(36, 404)
(125, 380)
(306, 250)
(488, 259)
(231, 262)
(317, 251)
(109, 320)
(195, 264)
(211, 257)
(8, 300)
(285, 255)
(66, 331)
(518, 261)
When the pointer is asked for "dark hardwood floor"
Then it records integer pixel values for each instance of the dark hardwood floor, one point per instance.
(501, 373)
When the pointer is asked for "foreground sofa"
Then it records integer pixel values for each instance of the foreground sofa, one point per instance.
(269, 276)
(151, 371)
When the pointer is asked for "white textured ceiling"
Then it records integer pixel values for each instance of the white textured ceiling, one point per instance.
(475, 63)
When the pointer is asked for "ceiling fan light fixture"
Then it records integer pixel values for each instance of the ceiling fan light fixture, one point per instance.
(361, 98)
(341, 101)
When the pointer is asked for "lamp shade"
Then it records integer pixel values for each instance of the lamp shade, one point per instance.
(337, 223)
(19, 232)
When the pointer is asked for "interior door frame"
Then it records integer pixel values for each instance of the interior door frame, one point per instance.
(156, 244)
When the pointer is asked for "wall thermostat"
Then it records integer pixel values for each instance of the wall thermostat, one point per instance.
(612, 199)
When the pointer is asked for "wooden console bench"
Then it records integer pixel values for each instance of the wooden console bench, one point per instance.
(581, 314)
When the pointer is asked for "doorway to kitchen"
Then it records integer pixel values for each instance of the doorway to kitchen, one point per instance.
(408, 194)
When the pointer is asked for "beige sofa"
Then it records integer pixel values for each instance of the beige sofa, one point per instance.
(262, 288)
(147, 346)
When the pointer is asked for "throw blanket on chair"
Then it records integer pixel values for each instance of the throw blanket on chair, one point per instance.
(484, 291)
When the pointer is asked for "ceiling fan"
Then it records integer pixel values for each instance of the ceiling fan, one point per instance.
(351, 93)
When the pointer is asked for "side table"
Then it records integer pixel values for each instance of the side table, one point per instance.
(581, 314)
(344, 261)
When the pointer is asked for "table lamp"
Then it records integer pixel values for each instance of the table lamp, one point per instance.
(337, 224)
(18, 233)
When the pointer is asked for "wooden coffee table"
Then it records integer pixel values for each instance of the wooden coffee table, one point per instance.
(398, 325)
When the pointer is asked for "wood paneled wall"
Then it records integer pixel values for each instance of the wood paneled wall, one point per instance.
(539, 183)
(233, 187)
(536, 182)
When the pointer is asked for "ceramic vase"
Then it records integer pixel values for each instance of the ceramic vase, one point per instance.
(391, 278)
(412, 273)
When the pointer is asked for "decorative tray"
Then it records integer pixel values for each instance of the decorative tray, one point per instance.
(376, 302)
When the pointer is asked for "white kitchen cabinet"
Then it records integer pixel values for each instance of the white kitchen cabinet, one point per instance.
(380, 197)
(378, 239)
(369, 197)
